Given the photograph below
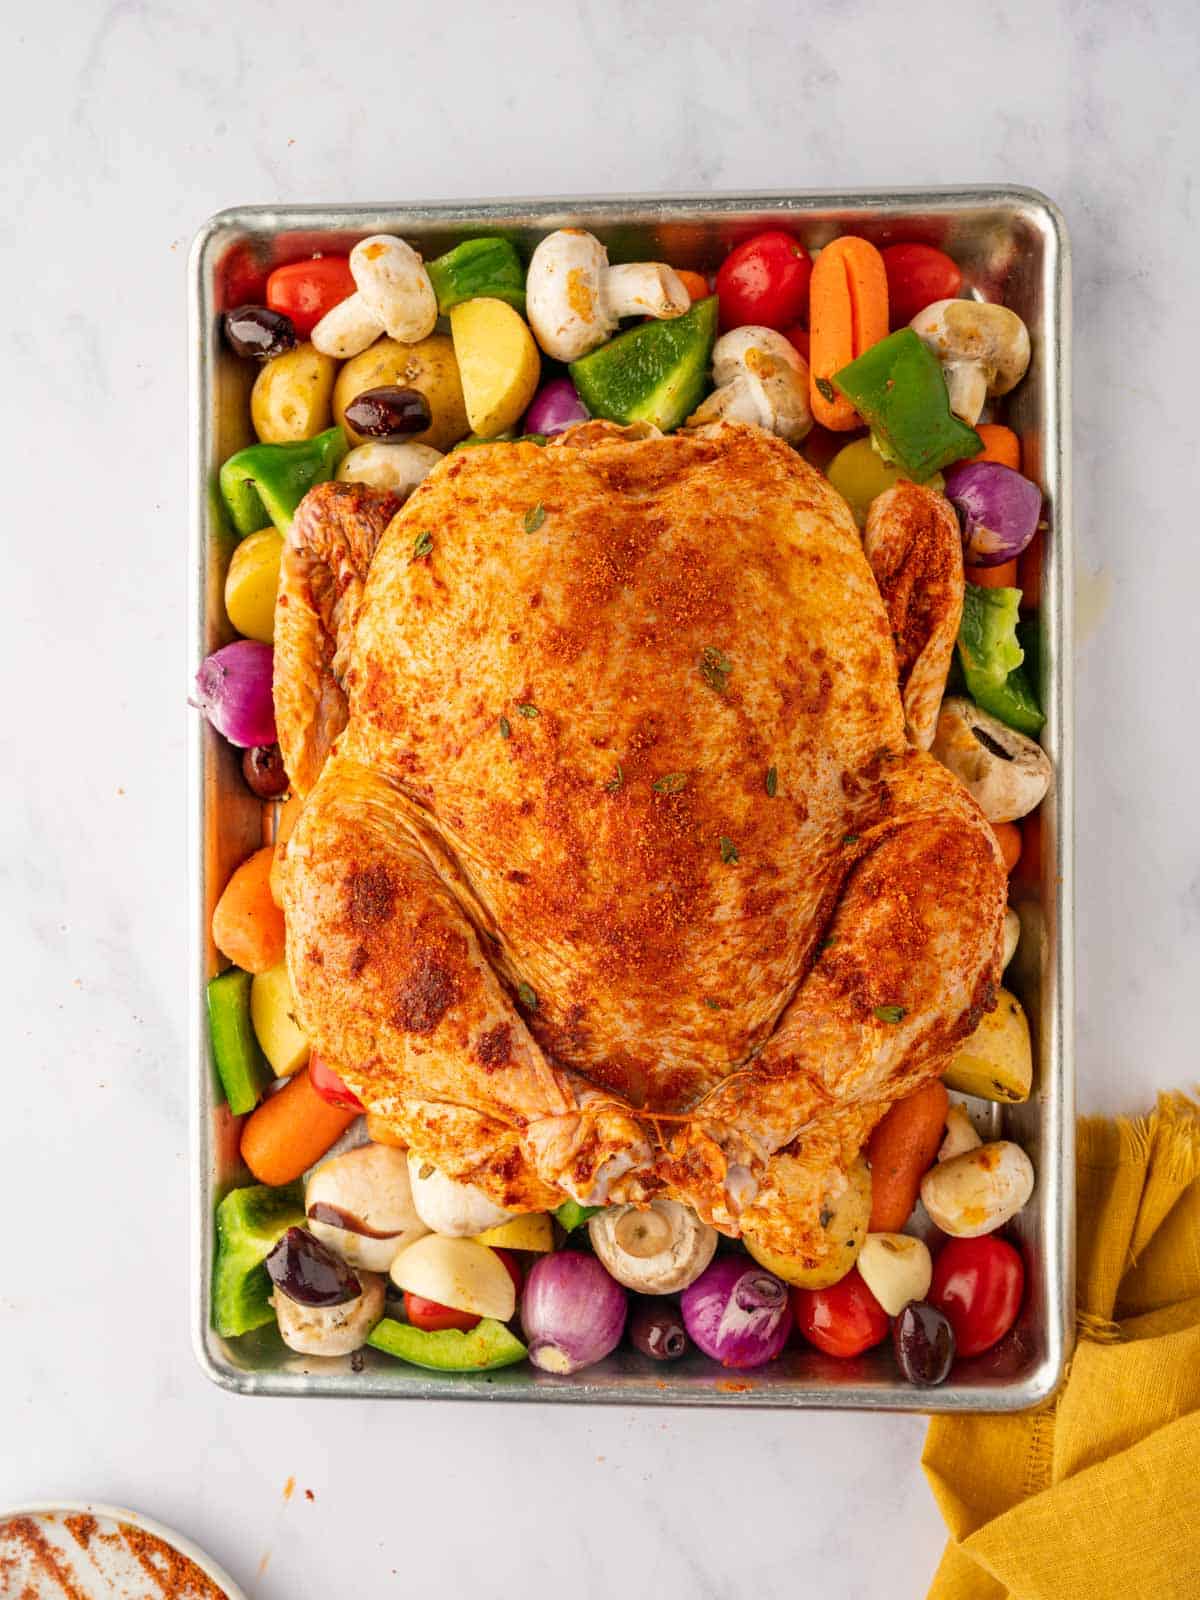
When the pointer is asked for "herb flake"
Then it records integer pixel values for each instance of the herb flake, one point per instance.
(527, 995)
(422, 545)
(713, 1005)
(670, 783)
(534, 517)
(617, 781)
(772, 781)
(850, 838)
(528, 710)
(505, 728)
(891, 1013)
(715, 667)
(826, 389)
(729, 851)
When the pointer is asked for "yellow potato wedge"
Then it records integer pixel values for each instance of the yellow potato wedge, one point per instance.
(291, 396)
(996, 1062)
(272, 1011)
(458, 1273)
(845, 1214)
(531, 1231)
(498, 361)
(428, 366)
(251, 584)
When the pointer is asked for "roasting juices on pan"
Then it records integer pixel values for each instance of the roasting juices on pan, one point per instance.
(655, 761)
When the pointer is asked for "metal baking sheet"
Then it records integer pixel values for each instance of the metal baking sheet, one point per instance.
(1013, 246)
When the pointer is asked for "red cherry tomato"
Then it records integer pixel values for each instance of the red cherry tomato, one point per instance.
(978, 1283)
(433, 1317)
(243, 278)
(306, 290)
(917, 275)
(797, 335)
(764, 281)
(512, 1266)
(843, 1320)
(329, 1086)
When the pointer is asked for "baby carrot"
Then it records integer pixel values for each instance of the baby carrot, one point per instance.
(900, 1153)
(291, 1130)
(247, 925)
(1008, 837)
(1002, 577)
(695, 283)
(1000, 444)
(848, 313)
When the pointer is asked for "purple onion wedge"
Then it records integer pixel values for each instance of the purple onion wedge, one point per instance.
(737, 1313)
(233, 689)
(554, 408)
(573, 1313)
(998, 509)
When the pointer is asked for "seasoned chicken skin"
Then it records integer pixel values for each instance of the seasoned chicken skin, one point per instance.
(617, 872)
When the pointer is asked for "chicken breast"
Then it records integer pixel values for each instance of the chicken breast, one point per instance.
(618, 873)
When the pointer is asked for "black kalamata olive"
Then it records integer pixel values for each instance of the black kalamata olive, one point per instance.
(309, 1273)
(256, 331)
(263, 770)
(389, 412)
(924, 1344)
(656, 1329)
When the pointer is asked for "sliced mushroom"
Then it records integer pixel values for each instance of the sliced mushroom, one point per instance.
(574, 299)
(360, 1204)
(330, 1330)
(983, 349)
(395, 287)
(396, 467)
(659, 1250)
(446, 1206)
(1006, 773)
(978, 1191)
(761, 378)
(960, 1135)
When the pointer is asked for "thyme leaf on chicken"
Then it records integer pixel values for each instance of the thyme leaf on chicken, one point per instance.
(715, 667)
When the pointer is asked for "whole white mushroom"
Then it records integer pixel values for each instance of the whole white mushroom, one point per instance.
(574, 299)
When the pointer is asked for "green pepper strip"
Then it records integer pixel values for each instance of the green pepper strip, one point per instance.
(478, 268)
(266, 482)
(993, 660)
(898, 389)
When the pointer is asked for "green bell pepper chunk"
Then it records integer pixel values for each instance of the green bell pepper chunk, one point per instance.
(993, 660)
(266, 482)
(241, 1065)
(898, 389)
(572, 1215)
(250, 1223)
(481, 1349)
(478, 268)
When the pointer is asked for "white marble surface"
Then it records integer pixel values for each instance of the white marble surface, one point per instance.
(124, 125)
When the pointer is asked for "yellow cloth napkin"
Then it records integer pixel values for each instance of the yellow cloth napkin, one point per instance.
(1096, 1496)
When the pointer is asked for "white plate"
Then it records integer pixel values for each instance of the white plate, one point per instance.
(74, 1551)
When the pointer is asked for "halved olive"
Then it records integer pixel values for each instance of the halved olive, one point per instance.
(924, 1343)
(264, 772)
(656, 1329)
(389, 412)
(259, 332)
(309, 1273)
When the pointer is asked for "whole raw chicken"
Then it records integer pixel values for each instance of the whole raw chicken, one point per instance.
(622, 868)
